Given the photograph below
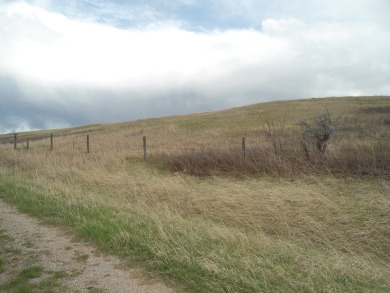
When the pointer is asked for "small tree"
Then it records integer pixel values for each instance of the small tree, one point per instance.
(319, 131)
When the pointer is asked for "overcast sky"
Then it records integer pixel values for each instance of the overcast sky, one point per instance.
(66, 63)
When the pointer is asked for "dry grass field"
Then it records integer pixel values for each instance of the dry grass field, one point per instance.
(274, 221)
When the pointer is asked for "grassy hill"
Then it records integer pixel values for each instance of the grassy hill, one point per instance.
(244, 119)
(315, 226)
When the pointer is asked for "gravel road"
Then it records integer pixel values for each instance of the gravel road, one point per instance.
(87, 270)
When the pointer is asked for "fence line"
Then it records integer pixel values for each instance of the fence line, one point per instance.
(147, 146)
(77, 143)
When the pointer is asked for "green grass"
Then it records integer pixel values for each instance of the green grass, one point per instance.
(32, 277)
(4, 237)
(1, 265)
(31, 272)
(51, 282)
(82, 258)
(22, 283)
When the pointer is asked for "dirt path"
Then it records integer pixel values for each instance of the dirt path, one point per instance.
(85, 269)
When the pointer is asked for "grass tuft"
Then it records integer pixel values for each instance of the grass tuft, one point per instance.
(31, 272)
(1, 265)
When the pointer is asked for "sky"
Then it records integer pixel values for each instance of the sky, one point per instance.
(67, 63)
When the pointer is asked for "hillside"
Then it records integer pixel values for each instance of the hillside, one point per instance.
(276, 138)
(279, 219)
(243, 119)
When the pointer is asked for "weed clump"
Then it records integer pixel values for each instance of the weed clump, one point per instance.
(318, 151)
(214, 162)
(343, 160)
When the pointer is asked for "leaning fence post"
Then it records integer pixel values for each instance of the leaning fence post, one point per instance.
(243, 147)
(15, 141)
(87, 143)
(51, 141)
(144, 140)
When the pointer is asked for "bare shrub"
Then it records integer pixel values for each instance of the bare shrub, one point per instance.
(318, 132)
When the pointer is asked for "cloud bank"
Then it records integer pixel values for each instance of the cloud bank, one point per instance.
(64, 65)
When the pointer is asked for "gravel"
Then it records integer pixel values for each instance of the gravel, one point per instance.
(87, 269)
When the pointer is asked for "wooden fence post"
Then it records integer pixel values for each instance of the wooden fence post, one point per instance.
(51, 141)
(144, 139)
(15, 141)
(243, 147)
(28, 143)
(87, 143)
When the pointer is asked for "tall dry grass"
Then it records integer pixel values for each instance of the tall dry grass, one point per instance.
(327, 225)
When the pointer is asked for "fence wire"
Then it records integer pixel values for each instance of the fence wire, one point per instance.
(133, 145)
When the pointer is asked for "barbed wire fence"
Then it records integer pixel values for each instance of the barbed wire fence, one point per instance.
(143, 147)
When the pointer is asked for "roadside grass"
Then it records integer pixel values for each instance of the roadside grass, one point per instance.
(51, 282)
(24, 281)
(1, 265)
(23, 273)
(31, 272)
(81, 258)
(209, 251)
(259, 232)
(3, 238)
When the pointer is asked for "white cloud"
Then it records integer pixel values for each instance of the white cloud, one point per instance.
(285, 27)
(58, 61)
(55, 49)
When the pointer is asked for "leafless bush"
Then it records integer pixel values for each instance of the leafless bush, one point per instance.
(318, 132)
